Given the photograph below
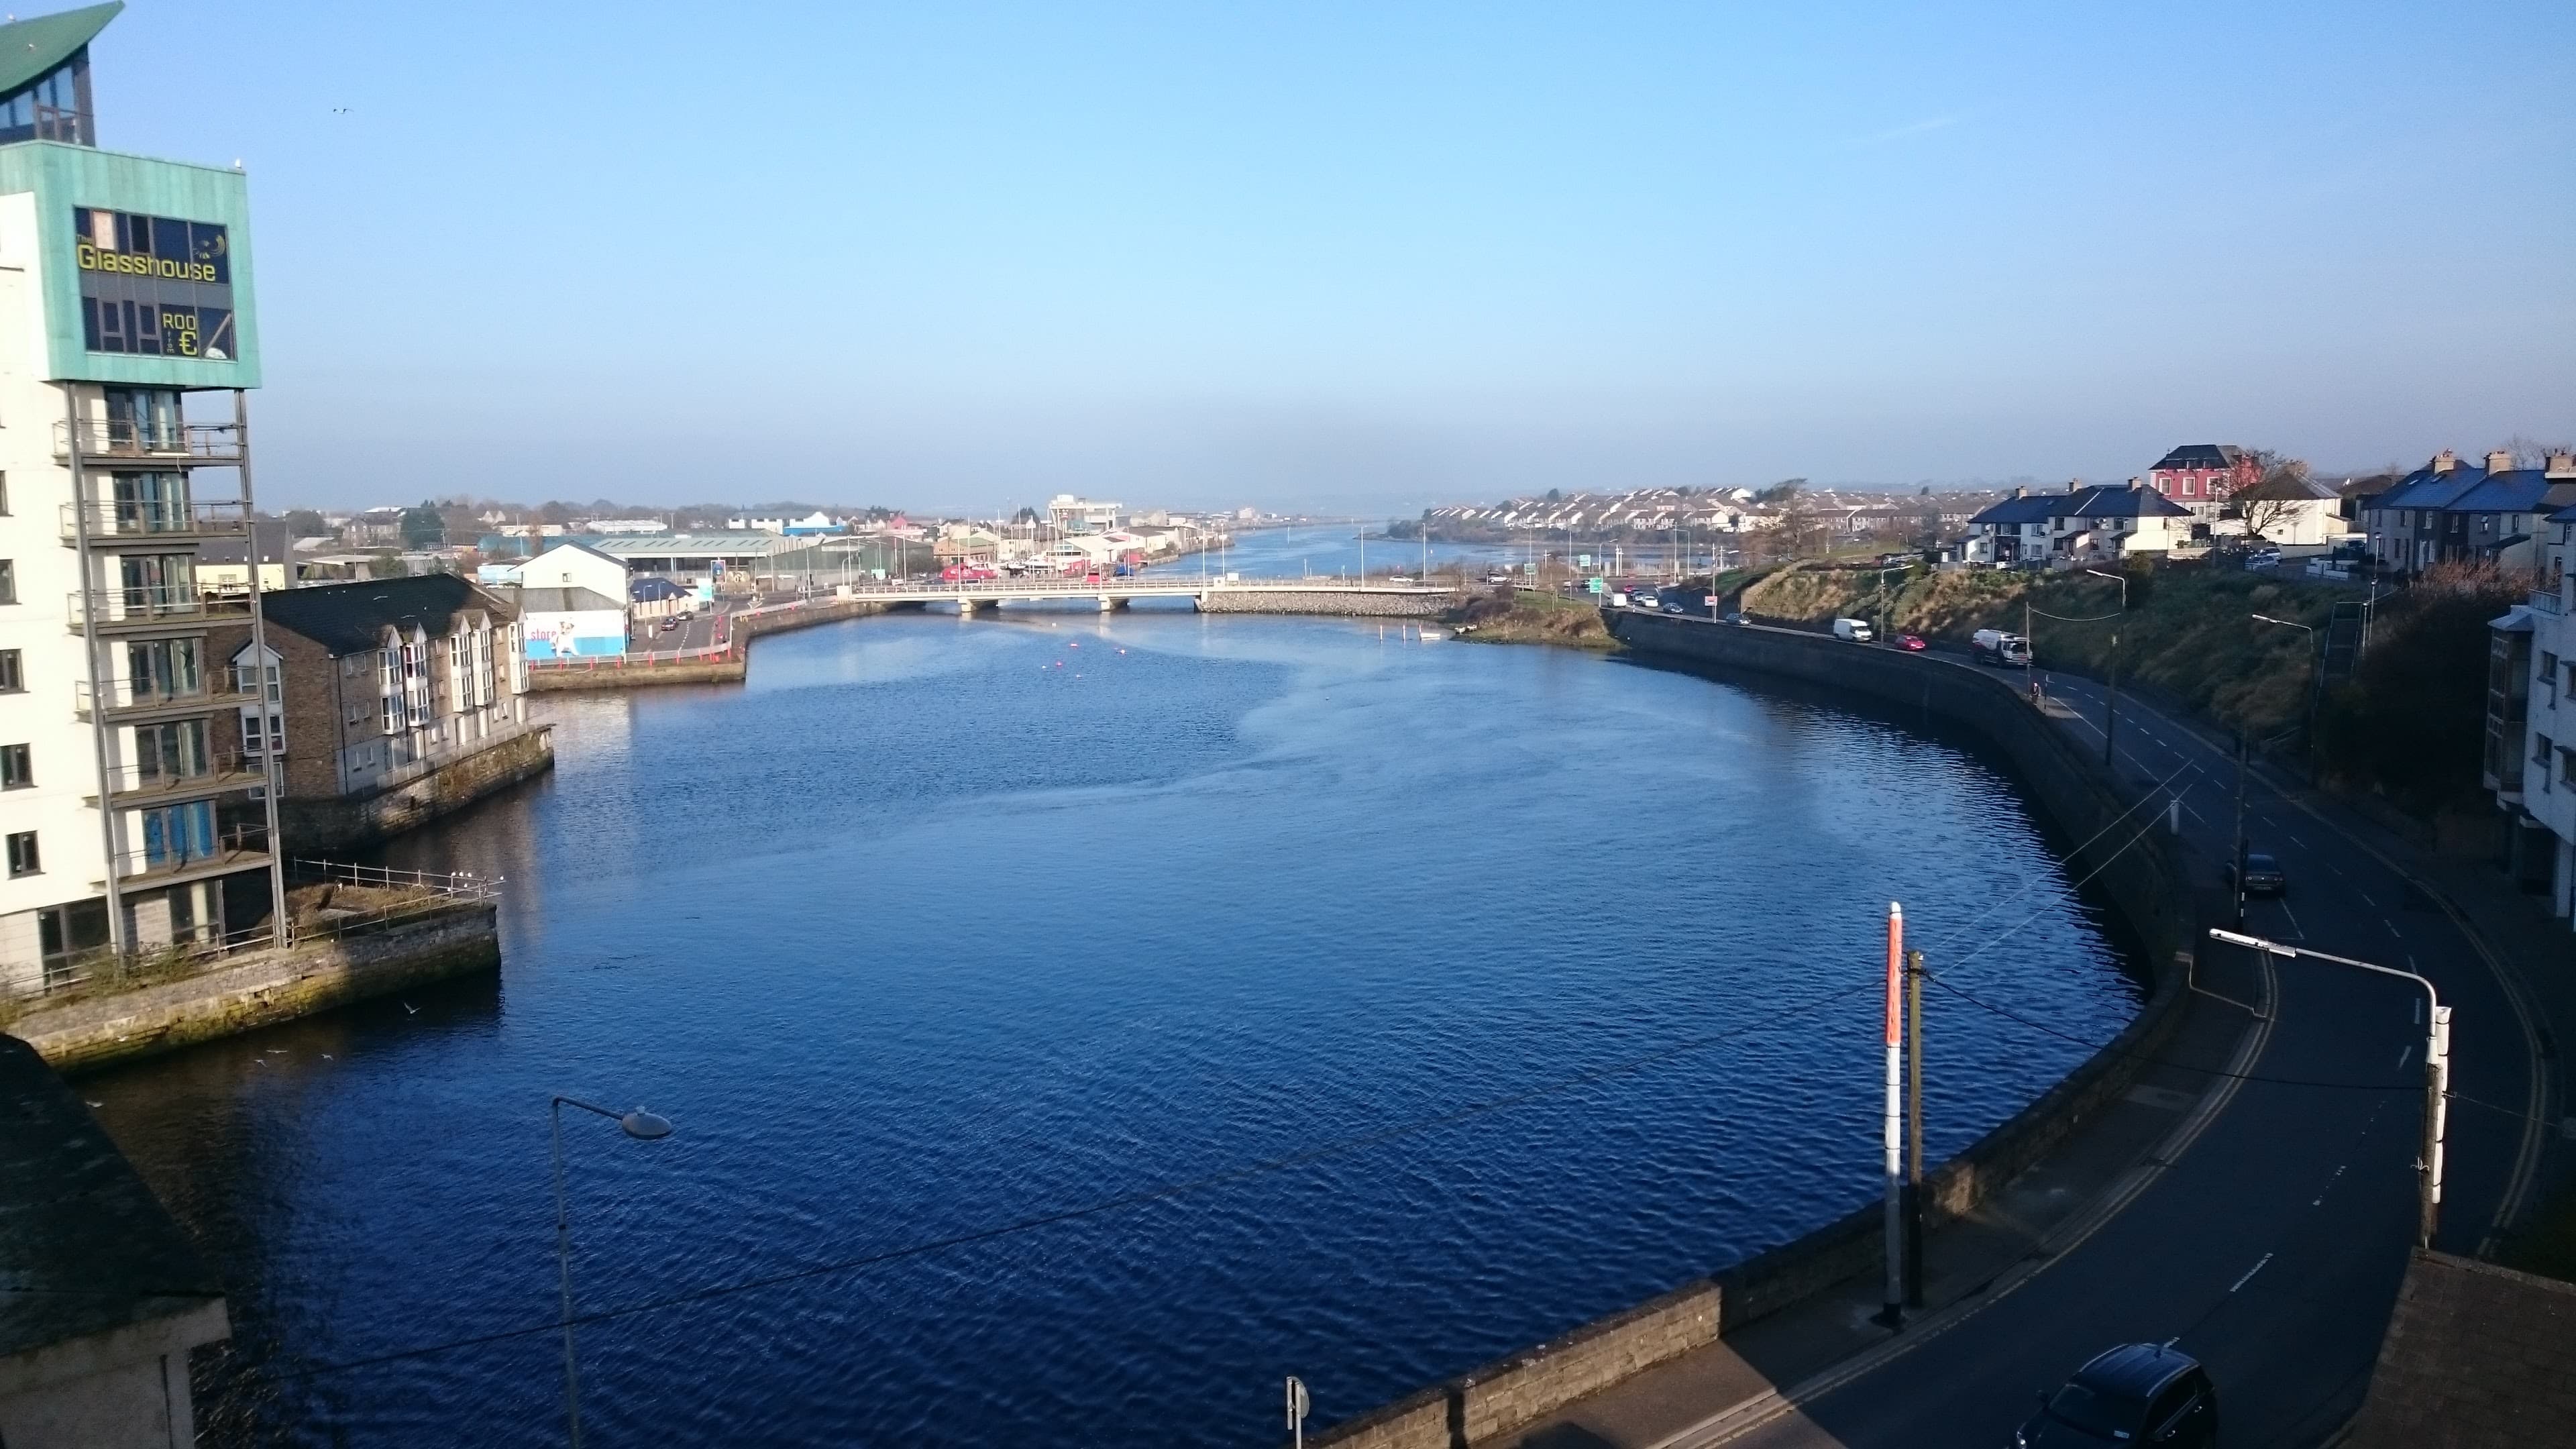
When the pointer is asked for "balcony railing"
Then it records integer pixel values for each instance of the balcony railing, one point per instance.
(235, 847)
(121, 440)
(2547, 601)
(124, 699)
(110, 519)
(217, 774)
(135, 608)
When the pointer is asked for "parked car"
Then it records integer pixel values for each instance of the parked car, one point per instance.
(1642, 600)
(1854, 631)
(2138, 1393)
(1994, 646)
(2263, 875)
(1911, 642)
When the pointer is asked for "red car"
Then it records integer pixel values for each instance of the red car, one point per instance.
(1911, 642)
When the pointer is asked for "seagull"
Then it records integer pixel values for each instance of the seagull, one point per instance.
(94, 1104)
(326, 1056)
(339, 110)
(414, 1010)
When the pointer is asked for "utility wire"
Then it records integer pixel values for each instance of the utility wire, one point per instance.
(2156, 1061)
(1134, 1199)
(2035, 882)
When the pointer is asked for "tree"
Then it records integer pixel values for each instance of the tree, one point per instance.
(305, 523)
(2274, 500)
(422, 527)
(1553, 496)
(1784, 491)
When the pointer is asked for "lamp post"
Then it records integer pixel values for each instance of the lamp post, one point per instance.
(639, 1124)
(2316, 674)
(2437, 1068)
(2111, 690)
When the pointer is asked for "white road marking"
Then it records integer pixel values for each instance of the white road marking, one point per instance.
(2392, 928)
(2403, 1055)
(2365, 897)
(2299, 930)
(2250, 1272)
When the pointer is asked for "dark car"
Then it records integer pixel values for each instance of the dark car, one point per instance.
(2263, 875)
(2138, 1393)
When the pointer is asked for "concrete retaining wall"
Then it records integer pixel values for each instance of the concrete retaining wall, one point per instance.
(314, 824)
(2147, 881)
(1354, 605)
(260, 989)
(612, 672)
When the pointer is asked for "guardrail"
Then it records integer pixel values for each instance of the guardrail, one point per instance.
(213, 775)
(421, 894)
(2547, 601)
(156, 605)
(115, 518)
(124, 439)
(122, 698)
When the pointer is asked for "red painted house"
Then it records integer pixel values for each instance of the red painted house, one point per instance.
(2200, 475)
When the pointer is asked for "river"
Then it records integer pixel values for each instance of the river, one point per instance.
(1458, 993)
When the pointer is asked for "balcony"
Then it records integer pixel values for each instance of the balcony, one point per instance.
(115, 521)
(127, 705)
(236, 847)
(134, 610)
(2547, 602)
(132, 787)
(111, 441)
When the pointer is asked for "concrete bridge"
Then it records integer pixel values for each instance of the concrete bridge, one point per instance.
(1208, 593)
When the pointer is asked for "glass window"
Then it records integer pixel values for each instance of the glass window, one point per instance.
(2549, 676)
(68, 931)
(23, 859)
(13, 671)
(2540, 748)
(8, 581)
(177, 834)
(17, 768)
(2567, 767)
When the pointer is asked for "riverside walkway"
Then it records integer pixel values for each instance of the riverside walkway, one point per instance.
(1209, 592)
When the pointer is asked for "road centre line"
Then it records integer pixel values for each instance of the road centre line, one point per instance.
(2258, 1266)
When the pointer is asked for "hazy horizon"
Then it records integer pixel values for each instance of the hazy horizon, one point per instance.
(1365, 260)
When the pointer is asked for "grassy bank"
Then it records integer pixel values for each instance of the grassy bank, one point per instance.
(2188, 633)
(1516, 616)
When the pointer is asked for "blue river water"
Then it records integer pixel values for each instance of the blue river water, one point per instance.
(1075, 1023)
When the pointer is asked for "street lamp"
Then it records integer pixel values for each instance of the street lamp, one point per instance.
(639, 1124)
(2437, 1067)
(2111, 691)
(2316, 674)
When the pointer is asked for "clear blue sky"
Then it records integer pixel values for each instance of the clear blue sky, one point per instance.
(951, 255)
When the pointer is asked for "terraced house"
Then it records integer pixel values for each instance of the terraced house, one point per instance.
(128, 349)
(2454, 511)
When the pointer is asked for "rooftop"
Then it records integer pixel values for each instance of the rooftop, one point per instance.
(352, 618)
(701, 545)
(30, 48)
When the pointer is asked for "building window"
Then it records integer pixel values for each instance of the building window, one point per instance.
(2549, 676)
(65, 933)
(2567, 767)
(17, 767)
(22, 854)
(13, 672)
(8, 581)
(4, 495)
(2540, 750)
(178, 834)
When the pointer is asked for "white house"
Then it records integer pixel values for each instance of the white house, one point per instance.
(2286, 509)
(572, 600)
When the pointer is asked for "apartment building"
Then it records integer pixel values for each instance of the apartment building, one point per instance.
(386, 702)
(128, 348)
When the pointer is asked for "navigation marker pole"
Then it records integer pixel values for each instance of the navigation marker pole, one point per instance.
(1913, 1129)
(1893, 1315)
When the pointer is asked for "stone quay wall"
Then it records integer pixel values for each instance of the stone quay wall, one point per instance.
(262, 988)
(337, 822)
(727, 665)
(1353, 605)
(2140, 868)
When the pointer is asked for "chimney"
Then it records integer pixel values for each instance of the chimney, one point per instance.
(2444, 462)
(2021, 493)
(2137, 485)
(2072, 484)
(2562, 466)
(2499, 462)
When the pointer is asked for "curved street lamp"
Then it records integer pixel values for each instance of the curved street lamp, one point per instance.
(639, 1124)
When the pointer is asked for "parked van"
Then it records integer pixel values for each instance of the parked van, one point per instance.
(1994, 646)
(1855, 630)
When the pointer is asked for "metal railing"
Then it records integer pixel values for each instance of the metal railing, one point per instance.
(2547, 601)
(415, 895)
(216, 774)
(155, 605)
(115, 518)
(123, 698)
(233, 847)
(123, 439)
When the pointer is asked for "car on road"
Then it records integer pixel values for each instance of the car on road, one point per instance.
(1994, 646)
(2138, 1393)
(1642, 600)
(2263, 874)
(1911, 642)
(1674, 606)
(1855, 631)
(1736, 617)
(670, 624)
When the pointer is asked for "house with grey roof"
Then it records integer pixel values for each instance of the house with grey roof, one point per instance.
(2100, 523)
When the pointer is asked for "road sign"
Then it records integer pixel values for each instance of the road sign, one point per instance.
(1297, 1409)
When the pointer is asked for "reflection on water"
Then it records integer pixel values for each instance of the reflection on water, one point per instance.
(941, 925)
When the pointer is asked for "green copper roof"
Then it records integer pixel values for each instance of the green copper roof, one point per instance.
(29, 48)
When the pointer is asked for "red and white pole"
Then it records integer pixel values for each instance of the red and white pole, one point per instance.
(1894, 1314)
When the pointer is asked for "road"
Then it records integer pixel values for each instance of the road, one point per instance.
(2272, 1247)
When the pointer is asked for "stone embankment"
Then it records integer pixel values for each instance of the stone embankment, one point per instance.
(2119, 845)
(1351, 605)
(725, 664)
(438, 787)
(259, 988)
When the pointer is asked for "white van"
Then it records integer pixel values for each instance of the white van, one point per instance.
(1994, 646)
(1855, 630)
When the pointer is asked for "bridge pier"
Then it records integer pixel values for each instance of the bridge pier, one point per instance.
(1108, 604)
(967, 608)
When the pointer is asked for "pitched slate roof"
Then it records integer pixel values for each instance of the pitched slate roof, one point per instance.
(2037, 508)
(574, 600)
(2425, 488)
(2518, 490)
(351, 618)
(2116, 500)
(2202, 455)
(2286, 486)
(30, 48)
